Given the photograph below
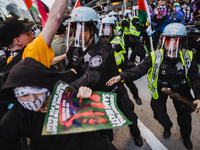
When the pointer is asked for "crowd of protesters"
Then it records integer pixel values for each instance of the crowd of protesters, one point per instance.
(31, 63)
(189, 9)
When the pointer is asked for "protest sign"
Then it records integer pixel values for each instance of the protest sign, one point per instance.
(68, 114)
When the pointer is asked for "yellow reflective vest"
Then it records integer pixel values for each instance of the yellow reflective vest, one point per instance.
(133, 30)
(157, 58)
(119, 56)
(126, 30)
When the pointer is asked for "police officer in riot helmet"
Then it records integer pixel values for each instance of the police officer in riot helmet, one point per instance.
(120, 16)
(91, 62)
(174, 67)
(107, 28)
(125, 24)
(109, 33)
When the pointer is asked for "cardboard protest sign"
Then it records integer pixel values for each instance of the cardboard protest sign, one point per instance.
(68, 114)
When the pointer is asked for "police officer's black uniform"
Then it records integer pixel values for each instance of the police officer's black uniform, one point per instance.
(134, 41)
(95, 66)
(172, 75)
(125, 23)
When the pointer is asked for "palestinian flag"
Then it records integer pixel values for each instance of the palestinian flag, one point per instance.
(39, 7)
(143, 12)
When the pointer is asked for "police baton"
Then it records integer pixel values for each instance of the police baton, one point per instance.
(177, 96)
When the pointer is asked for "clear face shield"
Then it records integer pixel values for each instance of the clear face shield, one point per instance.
(106, 30)
(172, 45)
(76, 31)
(135, 12)
(130, 16)
(82, 34)
(114, 16)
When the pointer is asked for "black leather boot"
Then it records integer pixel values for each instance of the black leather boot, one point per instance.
(138, 141)
(187, 143)
(138, 100)
(166, 133)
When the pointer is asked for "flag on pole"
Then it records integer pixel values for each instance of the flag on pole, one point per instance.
(77, 4)
(37, 5)
(143, 12)
(145, 18)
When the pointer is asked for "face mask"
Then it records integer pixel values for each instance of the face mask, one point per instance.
(129, 16)
(161, 13)
(34, 106)
(37, 104)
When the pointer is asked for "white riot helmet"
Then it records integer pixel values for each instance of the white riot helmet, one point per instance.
(128, 14)
(120, 13)
(112, 14)
(82, 19)
(135, 10)
(107, 16)
(107, 27)
(114, 18)
(173, 39)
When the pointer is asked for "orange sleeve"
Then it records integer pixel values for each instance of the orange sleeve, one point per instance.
(9, 59)
(39, 51)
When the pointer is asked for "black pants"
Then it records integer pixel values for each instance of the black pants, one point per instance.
(183, 111)
(133, 88)
(130, 84)
(127, 108)
(156, 37)
(147, 40)
(126, 41)
(137, 48)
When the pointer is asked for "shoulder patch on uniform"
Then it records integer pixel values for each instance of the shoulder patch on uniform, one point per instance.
(95, 61)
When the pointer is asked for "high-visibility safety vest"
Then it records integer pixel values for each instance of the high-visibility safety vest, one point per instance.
(122, 38)
(133, 30)
(118, 28)
(126, 30)
(157, 58)
(119, 56)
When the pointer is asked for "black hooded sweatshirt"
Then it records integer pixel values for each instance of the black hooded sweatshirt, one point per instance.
(19, 122)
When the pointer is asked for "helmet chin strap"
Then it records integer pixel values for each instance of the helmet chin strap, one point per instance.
(89, 38)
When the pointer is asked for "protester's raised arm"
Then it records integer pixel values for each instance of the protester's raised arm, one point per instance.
(54, 20)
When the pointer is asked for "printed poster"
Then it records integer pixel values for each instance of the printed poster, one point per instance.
(67, 114)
